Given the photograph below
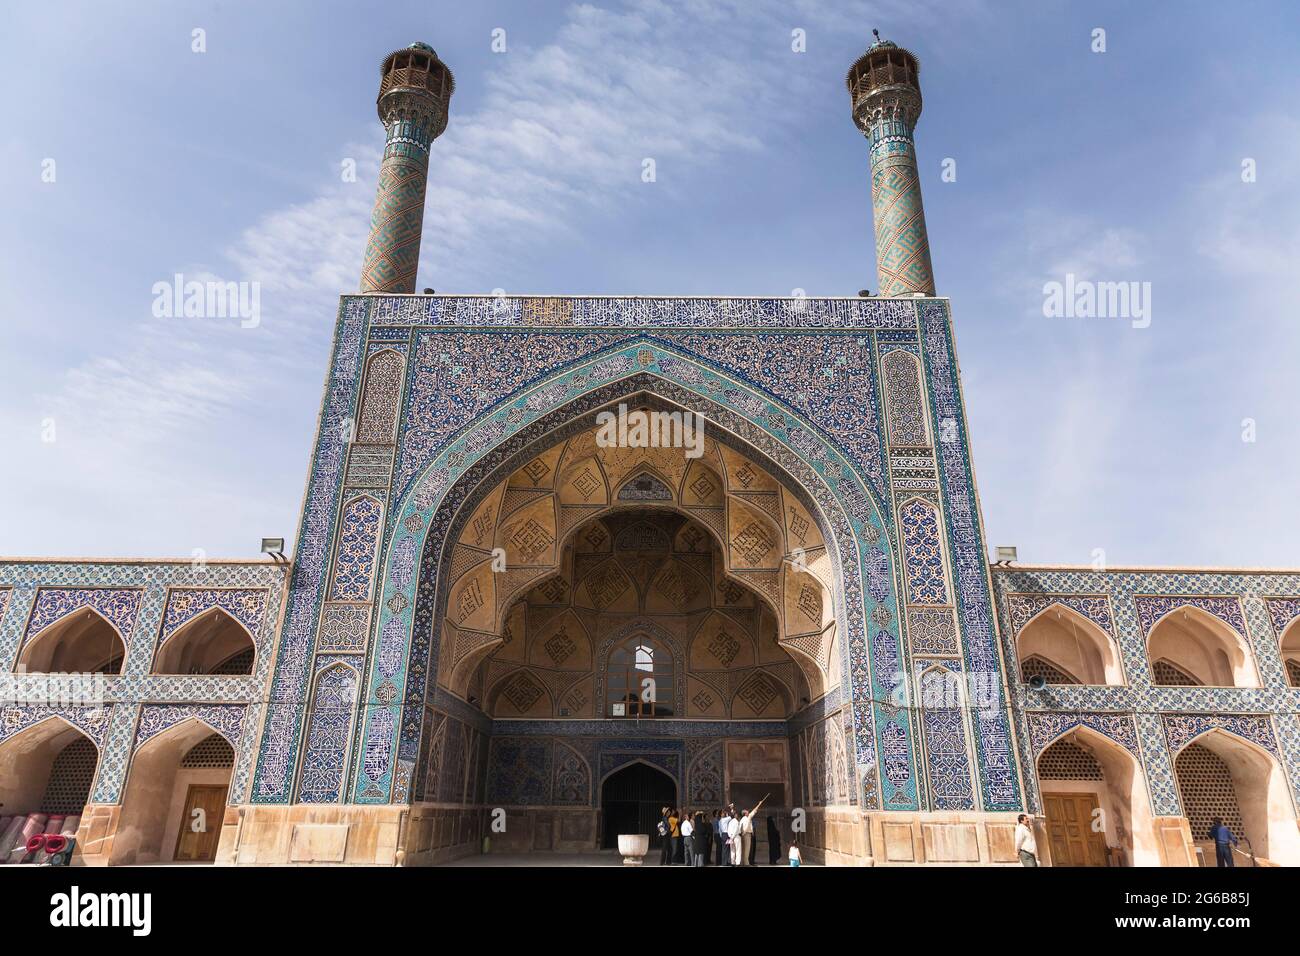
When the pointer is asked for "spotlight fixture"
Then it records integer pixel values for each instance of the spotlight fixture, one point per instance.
(864, 293)
(428, 292)
(1005, 555)
(274, 547)
(1038, 682)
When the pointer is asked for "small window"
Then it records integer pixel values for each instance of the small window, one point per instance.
(640, 679)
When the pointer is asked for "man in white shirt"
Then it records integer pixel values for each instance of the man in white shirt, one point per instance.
(688, 850)
(746, 837)
(733, 833)
(1026, 845)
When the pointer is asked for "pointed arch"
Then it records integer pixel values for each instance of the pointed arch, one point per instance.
(923, 552)
(1121, 794)
(646, 486)
(633, 761)
(523, 690)
(1072, 644)
(212, 642)
(1289, 647)
(360, 520)
(1217, 771)
(761, 696)
(904, 398)
(81, 641)
(34, 778)
(329, 731)
(943, 699)
(382, 397)
(159, 820)
(1203, 646)
(844, 504)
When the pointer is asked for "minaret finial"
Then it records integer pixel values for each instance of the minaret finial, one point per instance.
(886, 98)
(414, 95)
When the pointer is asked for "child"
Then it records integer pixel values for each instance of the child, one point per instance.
(795, 857)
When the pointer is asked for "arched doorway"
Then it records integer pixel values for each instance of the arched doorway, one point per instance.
(630, 802)
(175, 798)
(1096, 804)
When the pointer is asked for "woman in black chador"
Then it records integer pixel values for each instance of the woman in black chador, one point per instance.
(773, 842)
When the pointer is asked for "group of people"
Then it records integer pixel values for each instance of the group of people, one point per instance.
(724, 839)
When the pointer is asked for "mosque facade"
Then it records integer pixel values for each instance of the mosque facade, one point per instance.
(509, 627)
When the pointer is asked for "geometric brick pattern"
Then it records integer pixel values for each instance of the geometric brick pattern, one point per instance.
(393, 250)
(902, 244)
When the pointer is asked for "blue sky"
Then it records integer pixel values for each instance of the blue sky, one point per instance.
(172, 435)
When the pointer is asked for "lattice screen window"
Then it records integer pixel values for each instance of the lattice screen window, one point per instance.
(1171, 675)
(1293, 672)
(211, 752)
(1066, 760)
(71, 775)
(1207, 791)
(1035, 666)
(241, 663)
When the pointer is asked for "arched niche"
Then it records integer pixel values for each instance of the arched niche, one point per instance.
(1290, 650)
(620, 561)
(1071, 645)
(1220, 773)
(626, 572)
(1201, 646)
(81, 642)
(47, 768)
(212, 643)
(419, 560)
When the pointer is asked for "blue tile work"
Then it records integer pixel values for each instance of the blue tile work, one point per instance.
(225, 719)
(118, 606)
(541, 769)
(622, 369)
(287, 700)
(329, 728)
(923, 553)
(943, 724)
(1127, 605)
(247, 606)
(1283, 612)
(999, 771)
(145, 601)
(796, 380)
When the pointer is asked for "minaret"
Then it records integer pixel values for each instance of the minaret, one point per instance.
(414, 93)
(886, 105)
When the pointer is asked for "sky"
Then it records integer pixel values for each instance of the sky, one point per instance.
(1166, 157)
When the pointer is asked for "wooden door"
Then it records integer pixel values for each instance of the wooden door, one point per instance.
(201, 845)
(1069, 829)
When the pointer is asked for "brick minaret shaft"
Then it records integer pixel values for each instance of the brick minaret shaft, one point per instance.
(886, 105)
(414, 94)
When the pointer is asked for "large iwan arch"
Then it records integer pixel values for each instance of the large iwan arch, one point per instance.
(437, 485)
